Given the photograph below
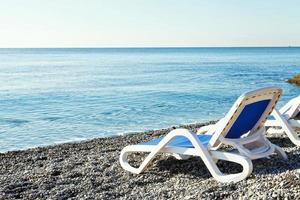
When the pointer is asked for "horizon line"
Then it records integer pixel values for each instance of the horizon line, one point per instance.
(151, 47)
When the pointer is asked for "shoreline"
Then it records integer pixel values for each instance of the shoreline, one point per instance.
(90, 169)
(154, 132)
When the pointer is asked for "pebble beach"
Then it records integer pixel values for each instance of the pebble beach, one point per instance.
(93, 92)
(91, 170)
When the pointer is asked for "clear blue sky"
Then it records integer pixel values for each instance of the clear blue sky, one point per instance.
(139, 23)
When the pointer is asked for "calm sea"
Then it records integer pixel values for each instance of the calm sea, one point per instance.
(50, 96)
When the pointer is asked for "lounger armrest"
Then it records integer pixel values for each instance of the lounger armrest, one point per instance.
(209, 128)
(205, 129)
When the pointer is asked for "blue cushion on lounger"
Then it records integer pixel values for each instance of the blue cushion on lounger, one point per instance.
(181, 141)
(247, 118)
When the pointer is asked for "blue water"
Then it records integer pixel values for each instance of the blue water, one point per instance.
(50, 96)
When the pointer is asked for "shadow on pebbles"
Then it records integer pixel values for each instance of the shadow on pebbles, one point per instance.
(91, 170)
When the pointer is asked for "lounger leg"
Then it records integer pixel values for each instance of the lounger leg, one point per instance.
(136, 148)
(280, 152)
(239, 159)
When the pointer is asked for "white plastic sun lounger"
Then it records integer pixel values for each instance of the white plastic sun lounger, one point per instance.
(242, 128)
(285, 120)
(247, 132)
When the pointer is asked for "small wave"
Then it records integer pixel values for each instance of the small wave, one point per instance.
(106, 113)
(51, 118)
(15, 122)
(70, 140)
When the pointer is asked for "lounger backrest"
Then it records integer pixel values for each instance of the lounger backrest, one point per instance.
(291, 108)
(247, 115)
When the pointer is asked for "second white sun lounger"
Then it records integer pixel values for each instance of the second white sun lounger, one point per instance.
(242, 128)
(286, 120)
